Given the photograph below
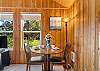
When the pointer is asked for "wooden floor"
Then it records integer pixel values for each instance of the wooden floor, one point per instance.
(21, 67)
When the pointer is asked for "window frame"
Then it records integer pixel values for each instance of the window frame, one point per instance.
(23, 31)
(11, 32)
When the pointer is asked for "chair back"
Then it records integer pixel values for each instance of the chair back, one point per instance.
(66, 52)
(27, 52)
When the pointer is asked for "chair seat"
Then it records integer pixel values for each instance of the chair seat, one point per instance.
(32, 60)
(36, 58)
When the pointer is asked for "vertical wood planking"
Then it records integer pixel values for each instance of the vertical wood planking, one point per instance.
(16, 49)
(84, 34)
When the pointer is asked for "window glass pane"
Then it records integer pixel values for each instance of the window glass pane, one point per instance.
(32, 39)
(9, 38)
(6, 22)
(6, 25)
(31, 25)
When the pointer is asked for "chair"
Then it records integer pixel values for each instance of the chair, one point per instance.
(61, 60)
(36, 60)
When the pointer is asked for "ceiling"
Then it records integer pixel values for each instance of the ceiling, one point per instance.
(98, 7)
(66, 3)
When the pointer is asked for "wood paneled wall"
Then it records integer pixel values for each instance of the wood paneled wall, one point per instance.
(30, 3)
(47, 8)
(81, 28)
(82, 34)
(97, 57)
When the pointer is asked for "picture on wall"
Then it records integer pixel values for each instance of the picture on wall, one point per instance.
(55, 23)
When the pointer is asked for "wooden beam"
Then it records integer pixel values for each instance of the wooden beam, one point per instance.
(28, 8)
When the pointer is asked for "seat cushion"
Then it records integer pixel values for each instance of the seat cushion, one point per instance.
(36, 58)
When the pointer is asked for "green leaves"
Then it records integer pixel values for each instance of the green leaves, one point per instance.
(31, 25)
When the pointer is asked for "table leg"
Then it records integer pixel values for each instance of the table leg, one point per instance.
(47, 63)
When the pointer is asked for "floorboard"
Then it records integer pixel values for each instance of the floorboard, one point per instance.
(21, 67)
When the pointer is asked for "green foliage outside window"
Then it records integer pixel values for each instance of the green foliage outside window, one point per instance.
(6, 25)
(10, 41)
(34, 43)
(32, 25)
(32, 39)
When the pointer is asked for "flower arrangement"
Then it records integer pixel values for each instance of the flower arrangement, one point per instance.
(47, 39)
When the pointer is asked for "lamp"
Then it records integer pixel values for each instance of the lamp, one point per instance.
(66, 20)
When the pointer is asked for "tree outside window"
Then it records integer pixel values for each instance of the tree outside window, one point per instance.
(31, 29)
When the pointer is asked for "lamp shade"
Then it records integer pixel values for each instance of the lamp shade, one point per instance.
(66, 19)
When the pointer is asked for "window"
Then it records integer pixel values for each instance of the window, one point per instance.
(30, 26)
(6, 27)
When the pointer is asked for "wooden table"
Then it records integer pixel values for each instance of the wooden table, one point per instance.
(47, 52)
